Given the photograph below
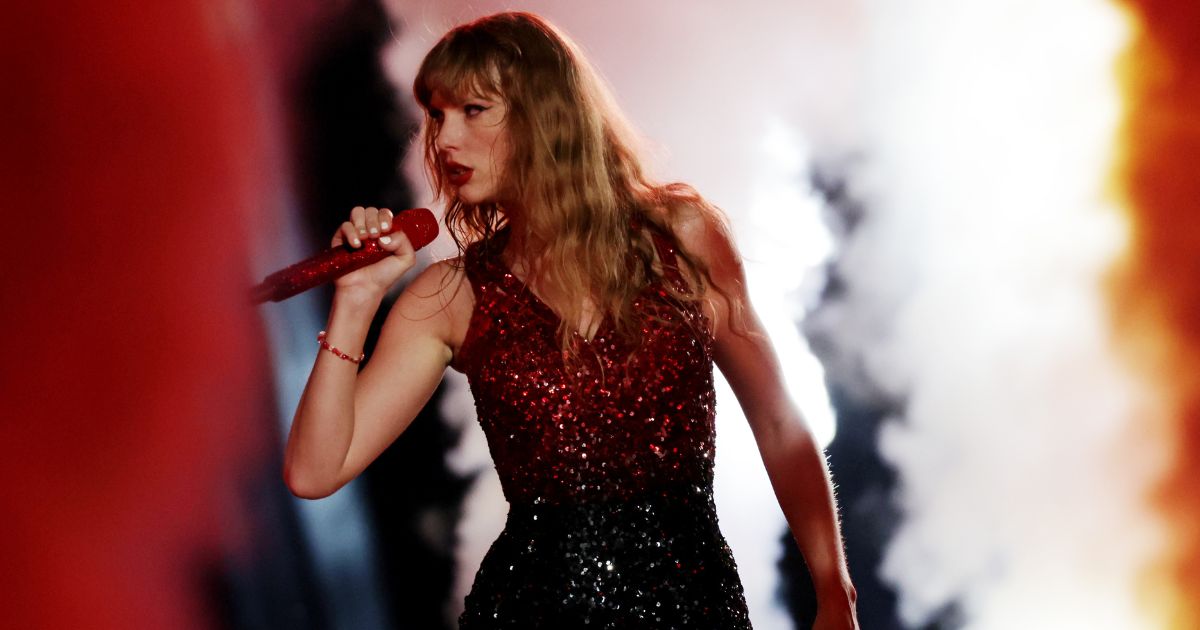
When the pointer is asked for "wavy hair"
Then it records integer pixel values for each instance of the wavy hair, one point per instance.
(572, 168)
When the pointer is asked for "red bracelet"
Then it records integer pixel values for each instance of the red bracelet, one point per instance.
(338, 353)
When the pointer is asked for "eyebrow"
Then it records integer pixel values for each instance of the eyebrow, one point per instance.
(458, 101)
(479, 97)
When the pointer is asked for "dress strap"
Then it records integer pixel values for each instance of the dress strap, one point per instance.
(477, 265)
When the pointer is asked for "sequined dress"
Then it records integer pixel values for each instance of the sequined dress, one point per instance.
(608, 471)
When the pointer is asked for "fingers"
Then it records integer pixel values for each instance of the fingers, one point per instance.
(397, 243)
(347, 233)
(385, 220)
(375, 221)
(365, 222)
(359, 219)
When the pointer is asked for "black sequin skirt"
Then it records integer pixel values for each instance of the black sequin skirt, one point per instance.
(655, 563)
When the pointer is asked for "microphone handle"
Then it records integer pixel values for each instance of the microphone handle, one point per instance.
(418, 224)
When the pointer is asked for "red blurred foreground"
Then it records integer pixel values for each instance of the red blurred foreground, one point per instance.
(135, 389)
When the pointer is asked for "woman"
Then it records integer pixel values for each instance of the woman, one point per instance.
(587, 308)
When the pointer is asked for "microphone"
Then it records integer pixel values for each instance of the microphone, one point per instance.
(418, 224)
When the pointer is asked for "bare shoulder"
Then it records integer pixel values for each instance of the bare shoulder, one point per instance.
(704, 233)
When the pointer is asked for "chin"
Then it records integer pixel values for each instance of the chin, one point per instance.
(473, 198)
(470, 200)
(469, 197)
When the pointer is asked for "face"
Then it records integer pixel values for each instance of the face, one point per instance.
(472, 144)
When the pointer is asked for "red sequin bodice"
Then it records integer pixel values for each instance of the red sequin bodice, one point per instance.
(612, 428)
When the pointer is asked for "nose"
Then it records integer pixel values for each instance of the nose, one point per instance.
(448, 134)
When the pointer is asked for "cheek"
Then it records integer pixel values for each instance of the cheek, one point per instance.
(500, 153)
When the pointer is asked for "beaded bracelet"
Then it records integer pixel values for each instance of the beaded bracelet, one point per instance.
(337, 353)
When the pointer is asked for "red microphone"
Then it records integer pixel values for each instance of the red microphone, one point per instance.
(418, 224)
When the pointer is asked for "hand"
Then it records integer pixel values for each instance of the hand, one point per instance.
(377, 278)
(835, 609)
(842, 620)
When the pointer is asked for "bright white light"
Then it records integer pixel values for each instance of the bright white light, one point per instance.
(989, 130)
(785, 243)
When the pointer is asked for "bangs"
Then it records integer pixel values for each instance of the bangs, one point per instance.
(459, 66)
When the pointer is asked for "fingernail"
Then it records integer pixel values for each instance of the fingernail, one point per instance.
(374, 231)
(357, 242)
(385, 239)
(383, 226)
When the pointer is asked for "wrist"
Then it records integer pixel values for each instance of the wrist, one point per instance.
(337, 352)
(839, 592)
(358, 298)
(350, 317)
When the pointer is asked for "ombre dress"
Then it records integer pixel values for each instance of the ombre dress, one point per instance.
(608, 471)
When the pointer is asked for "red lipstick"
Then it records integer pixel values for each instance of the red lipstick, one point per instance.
(457, 173)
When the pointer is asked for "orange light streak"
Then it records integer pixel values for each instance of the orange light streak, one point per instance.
(1156, 293)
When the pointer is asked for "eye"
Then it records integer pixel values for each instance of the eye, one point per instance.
(435, 114)
(472, 110)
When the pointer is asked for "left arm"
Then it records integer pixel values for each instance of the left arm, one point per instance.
(794, 462)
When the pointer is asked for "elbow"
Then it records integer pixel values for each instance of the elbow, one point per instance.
(306, 487)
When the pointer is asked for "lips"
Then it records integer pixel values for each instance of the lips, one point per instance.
(457, 174)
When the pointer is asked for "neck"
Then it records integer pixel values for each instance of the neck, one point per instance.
(520, 243)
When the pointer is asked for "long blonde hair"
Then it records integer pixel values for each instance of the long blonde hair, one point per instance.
(572, 167)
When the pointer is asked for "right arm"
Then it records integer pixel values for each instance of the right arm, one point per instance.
(345, 417)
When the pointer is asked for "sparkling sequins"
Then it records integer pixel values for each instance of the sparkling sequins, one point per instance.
(656, 562)
(607, 465)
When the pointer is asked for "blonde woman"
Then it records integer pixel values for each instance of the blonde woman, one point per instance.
(587, 308)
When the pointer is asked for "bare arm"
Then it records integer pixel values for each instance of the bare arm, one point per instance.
(346, 418)
(794, 462)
